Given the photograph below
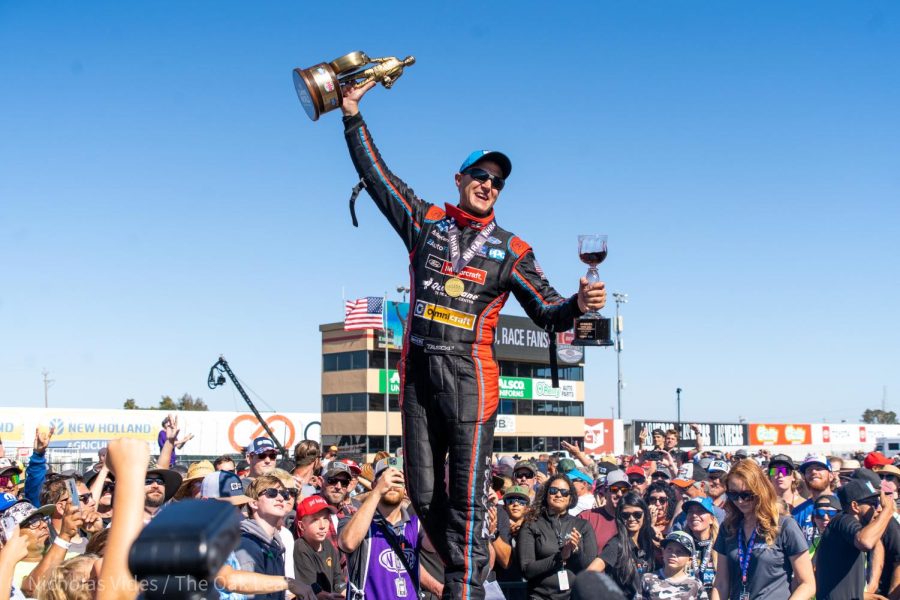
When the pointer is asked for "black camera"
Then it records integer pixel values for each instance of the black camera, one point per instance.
(180, 552)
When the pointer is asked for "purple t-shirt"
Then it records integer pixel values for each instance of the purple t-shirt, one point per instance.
(162, 442)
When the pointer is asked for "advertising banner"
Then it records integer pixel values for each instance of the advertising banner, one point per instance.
(714, 434)
(393, 380)
(215, 432)
(599, 436)
(396, 316)
(767, 434)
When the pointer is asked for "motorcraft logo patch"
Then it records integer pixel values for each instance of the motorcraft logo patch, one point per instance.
(443, 267)
(442, 314)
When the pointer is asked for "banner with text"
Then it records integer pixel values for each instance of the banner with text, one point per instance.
(714, 434)
(767, 434)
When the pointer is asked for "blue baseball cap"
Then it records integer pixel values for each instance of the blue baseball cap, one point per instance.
(498, 157)
(7, 500)
(224, 485)
(260, 445)
(704, 503)
(576, 474)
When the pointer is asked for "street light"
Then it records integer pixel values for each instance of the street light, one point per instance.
(678, 402)
(620, 299)
(387, 369)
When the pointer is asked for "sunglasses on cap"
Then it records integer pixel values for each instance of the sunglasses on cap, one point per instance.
(782, 470)
(481, 176)
(742, 496)
(824, 512)
(555, 491)
(272, 493)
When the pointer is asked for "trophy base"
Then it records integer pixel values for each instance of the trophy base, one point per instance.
(318, 90)
(592, 331)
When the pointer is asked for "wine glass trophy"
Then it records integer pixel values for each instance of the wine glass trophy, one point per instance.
(592, 328)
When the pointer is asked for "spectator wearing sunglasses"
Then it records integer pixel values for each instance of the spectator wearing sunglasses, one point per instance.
(603, 518)
(261, 549)
(637, 478)
(524, 474)
(632, 551)
(10, 476)
(825, 509)
(55, 494)
(262, 456)
(840, 558)
(33, 524)
(510, 518)
(660, 499)
(160, 486)
(781, 470)
(759, 548)
(816, 471)
(553, 545)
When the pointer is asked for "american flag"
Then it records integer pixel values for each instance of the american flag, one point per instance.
(365, 313)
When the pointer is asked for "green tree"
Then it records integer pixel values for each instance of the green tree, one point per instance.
(187, 402)
(167, 404)
(882, 417)
(130, 404)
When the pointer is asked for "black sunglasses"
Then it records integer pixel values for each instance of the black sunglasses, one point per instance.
(481, 175)
(524, 475)
(632, 515)
(156, 480)
(285, 493)
(511, 501)
(338, 481)
(742, 496)
(553, 491)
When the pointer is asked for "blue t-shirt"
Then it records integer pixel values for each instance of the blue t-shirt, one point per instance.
(803, 514)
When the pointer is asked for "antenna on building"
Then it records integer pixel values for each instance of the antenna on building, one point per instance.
(884, 398)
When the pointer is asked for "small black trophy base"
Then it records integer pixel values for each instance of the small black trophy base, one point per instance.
(592, 332)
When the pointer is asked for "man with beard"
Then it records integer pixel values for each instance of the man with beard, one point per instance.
(336, 484)
(377, 534)
(603, 519)
(159, 487)
(816, 471)
(840, 558)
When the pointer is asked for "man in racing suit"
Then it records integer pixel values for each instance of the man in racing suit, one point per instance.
(462, 270)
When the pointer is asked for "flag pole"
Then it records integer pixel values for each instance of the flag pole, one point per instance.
(387, 377)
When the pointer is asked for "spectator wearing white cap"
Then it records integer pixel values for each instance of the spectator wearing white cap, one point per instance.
(608, 495)
(816, 471)
(262, 455)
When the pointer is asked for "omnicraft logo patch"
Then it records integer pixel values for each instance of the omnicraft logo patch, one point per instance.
(442, 314)
(443, 267)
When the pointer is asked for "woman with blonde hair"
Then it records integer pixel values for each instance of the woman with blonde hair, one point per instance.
(69, 580)
(758, 548)
(701, 523)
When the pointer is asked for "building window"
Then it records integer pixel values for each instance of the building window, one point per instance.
(344, 402)
(376, 403)
(538, 371)
(345, 361)
(376, 443)
(376, 360)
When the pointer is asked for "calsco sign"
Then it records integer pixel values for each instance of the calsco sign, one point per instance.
(765, 434)
(515, 387)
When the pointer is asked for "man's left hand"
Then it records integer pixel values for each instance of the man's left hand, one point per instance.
(591, 296)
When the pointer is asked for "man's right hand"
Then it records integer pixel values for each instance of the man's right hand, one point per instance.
(391, 478)
(352, 96)
(42, 437)
(72, 521)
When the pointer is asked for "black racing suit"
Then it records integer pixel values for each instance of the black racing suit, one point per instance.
(448, 375)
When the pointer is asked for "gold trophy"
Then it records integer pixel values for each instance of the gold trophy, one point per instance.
(319, 87)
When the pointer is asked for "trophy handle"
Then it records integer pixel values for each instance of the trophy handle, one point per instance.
(349, 62)
(386, 71)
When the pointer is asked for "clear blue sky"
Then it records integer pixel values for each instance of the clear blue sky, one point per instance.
(164, 199)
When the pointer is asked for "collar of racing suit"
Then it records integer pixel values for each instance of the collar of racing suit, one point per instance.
(467, 220)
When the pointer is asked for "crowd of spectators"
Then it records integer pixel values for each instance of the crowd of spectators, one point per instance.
(662, 523)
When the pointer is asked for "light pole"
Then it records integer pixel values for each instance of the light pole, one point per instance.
(387, 370)
(678, 403)
(620, 299)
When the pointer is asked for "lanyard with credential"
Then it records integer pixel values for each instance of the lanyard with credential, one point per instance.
(459, 260)
(745, 553)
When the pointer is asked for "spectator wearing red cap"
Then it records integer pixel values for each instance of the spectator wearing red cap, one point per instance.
(316, 560)
(874, 460)
(637, 478)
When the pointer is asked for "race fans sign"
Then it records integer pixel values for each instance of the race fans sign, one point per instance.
(714, 434)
